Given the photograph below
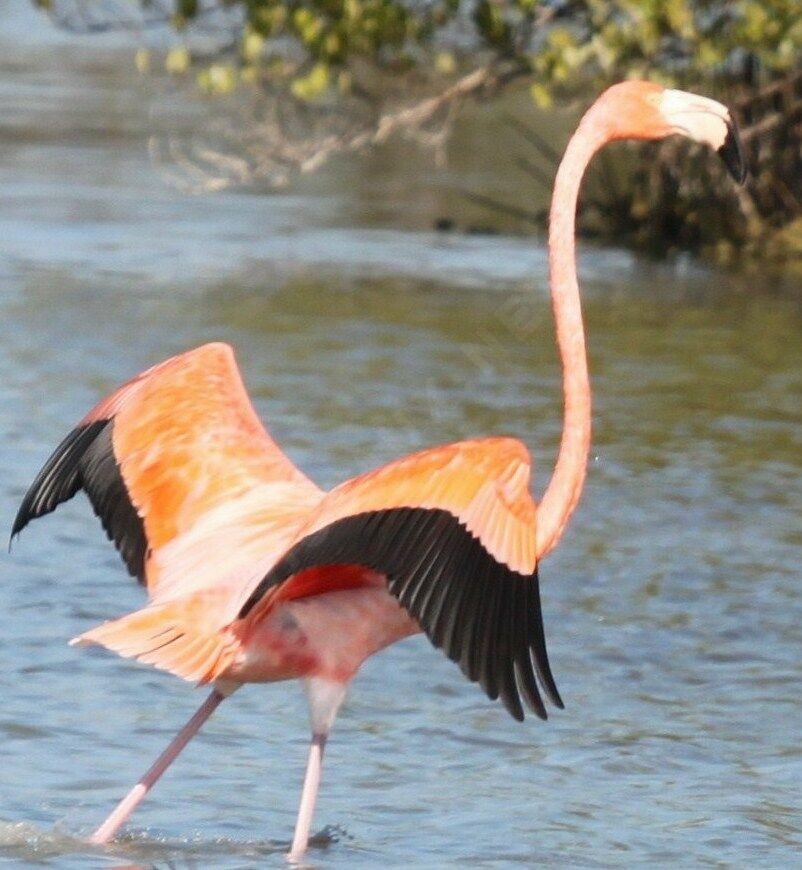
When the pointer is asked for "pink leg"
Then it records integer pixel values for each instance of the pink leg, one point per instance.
(325, 697)
(308, 797)
(129, 803)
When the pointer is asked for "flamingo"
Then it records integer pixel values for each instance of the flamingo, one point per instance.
(254, 574)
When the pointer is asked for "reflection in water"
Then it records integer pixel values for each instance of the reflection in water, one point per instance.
(673, 606)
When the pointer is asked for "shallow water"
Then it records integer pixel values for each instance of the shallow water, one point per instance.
(673, 607)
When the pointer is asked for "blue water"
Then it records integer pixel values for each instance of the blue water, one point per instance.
(673, 608)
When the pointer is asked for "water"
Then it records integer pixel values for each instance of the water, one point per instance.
(672, 607)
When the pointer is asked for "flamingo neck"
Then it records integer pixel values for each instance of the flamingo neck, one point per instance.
(565, 487)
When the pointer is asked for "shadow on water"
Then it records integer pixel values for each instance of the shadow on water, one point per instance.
(138, 849)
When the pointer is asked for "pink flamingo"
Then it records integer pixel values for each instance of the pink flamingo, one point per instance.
(254, 574)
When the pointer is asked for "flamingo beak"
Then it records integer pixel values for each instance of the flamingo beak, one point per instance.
(732, 153)
(704, 120)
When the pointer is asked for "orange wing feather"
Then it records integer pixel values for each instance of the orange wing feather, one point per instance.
(187, 438)
(483, 483)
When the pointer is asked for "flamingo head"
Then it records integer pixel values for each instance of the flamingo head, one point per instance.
(647, 110)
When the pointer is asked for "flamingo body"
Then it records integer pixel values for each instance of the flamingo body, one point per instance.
(254, 574)
(225, 533)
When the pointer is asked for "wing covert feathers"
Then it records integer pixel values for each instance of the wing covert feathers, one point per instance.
(484, 483)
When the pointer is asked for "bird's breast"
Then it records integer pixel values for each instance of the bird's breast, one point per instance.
(327, 635)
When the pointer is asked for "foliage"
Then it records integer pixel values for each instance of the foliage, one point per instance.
(359, 54)
(676, 41)
(561, 42)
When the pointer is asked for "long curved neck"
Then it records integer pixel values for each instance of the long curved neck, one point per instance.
(565, 487)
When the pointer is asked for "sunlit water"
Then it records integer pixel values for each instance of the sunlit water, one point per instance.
(673, 608)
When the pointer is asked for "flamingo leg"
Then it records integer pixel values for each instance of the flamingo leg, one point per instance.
(325, 697)
(130, 802)
(308, 797)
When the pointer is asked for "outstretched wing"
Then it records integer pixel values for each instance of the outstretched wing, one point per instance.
(453, 531)
(177, 445)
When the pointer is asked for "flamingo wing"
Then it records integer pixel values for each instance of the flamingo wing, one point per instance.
(453, 531)
(177, 449)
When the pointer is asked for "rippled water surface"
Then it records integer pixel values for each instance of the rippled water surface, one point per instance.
(673, 606)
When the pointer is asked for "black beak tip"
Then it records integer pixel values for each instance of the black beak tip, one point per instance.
(732, 153)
